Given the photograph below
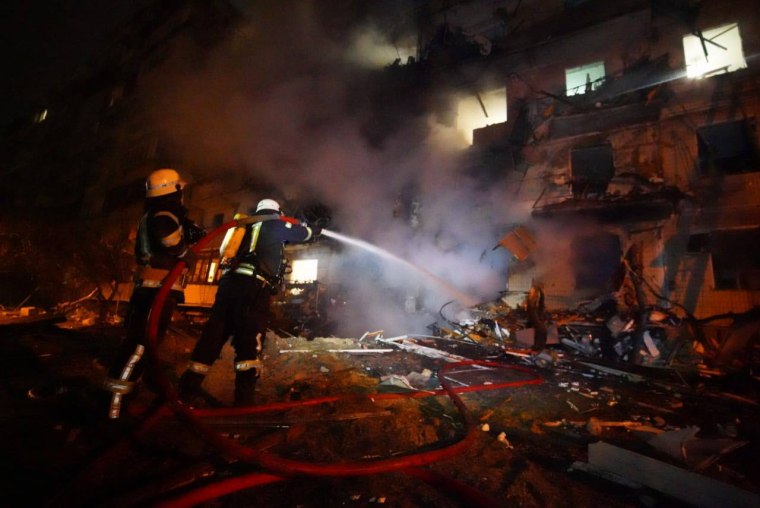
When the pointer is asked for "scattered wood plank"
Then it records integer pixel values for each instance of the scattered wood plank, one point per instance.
(403, 342)
(358, 351)
(16, 323)
(635, 378)
(608, 461)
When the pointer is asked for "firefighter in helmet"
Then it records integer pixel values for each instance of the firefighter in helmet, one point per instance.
(164, 236)
(241, 307)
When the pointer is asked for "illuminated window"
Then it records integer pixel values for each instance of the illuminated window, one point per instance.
(211, 272)
(41, 116)
(304, 270)
(585, 78)
(718, 51)
(474, 112)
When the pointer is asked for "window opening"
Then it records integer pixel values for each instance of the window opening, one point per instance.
(715, 51)
(734, 254)
(210, 277)
(592, 169)
(476, 111)
(304, 270)
(584, 79)
(727, 148)
(596, 262)
(206, 268)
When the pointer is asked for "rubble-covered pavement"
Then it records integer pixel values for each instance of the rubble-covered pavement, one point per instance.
(544, 444)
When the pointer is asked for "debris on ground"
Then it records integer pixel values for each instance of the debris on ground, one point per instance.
(654, 406)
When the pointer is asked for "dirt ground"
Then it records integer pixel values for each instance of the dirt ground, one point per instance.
(59, 450)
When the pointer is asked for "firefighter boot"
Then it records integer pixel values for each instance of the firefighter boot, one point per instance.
(190, 387)
(245, 384)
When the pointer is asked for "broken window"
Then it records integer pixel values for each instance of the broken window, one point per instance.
(734, 253)
(592, 170)
(304, 270)
(584, 79)
(596, 261)
(479, 110)
(715, 51)
(727, 148)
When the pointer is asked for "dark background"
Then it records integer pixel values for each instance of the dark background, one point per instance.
(44, 41)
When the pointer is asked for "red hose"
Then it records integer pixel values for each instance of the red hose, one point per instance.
(288, 467)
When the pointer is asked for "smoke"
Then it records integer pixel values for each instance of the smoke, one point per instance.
(297, 103)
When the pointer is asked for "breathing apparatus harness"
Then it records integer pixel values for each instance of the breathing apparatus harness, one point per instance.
(238, 250)
(149, 276)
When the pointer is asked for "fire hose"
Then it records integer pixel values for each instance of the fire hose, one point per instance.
(279, 468)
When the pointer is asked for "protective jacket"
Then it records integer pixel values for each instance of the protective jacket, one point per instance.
(164, 235)
(261, 250)
(241, 306)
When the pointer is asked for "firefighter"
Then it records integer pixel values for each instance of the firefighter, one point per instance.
(241, 308)
(164, 236)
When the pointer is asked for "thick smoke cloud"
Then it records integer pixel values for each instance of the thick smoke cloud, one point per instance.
(290, 100)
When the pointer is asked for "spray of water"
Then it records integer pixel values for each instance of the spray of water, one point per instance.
(462, 298)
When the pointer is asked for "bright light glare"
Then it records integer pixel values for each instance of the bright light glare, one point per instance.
(211, 271)
(724, 52)
(470, 114)
(304, 270)
(370, 48)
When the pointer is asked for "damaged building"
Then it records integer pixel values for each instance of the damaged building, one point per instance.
(630, 145)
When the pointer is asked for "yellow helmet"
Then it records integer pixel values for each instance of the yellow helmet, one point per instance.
(163, 181)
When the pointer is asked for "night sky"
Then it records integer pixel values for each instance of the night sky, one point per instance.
(43, 41)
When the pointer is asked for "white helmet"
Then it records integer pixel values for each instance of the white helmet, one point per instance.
(163, 181)
(268, 204)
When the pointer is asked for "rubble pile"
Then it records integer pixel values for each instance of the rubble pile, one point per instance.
(604, 410)
(659, 338)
